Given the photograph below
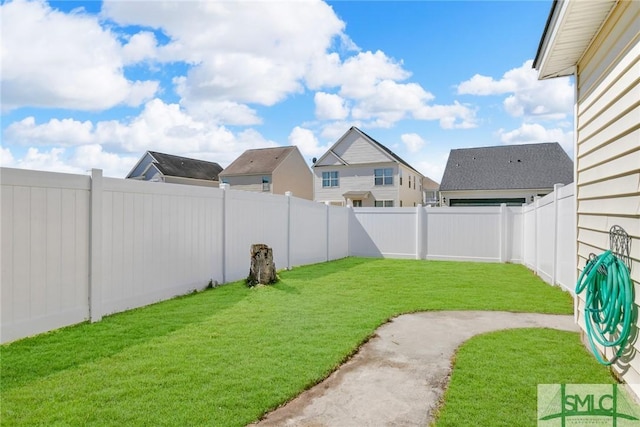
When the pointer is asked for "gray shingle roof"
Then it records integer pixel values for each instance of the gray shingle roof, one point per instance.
(258, 161)
(525, 166)
(185, 167)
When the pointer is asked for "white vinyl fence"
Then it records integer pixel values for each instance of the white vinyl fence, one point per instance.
(76, 248)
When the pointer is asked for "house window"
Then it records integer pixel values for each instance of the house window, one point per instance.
(225, 180)
(357, 203)
(383, 203)
(266, 183)
(383, 176)
(330, 179)
(400, 175)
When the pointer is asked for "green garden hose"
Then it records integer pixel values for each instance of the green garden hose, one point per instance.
(608, 311)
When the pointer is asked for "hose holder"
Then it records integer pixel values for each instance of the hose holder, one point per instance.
(608, 310)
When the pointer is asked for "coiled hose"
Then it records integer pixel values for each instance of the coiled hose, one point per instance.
(608, 310)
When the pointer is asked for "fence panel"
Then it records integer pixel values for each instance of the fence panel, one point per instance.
(567, 250)
(339, 232)
(529, 251)
(515, 237)
(464, 233)
(45, 247)
(383, 232)
(253, 218)
(545, 238)
(158, 241)
(309, 232)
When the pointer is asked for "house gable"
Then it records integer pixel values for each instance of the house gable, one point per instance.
(354, 147)
(259, 161)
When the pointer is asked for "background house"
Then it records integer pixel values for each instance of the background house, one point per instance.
(273, 170)
(511, 174)
(359, 171)
(161, 167)
(599, 44)
(431, 192)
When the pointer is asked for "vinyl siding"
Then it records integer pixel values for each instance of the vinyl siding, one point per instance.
(408, 195)
(354, 149)
(293, 174)
(608, 146)
(356, 178)
(247, 182)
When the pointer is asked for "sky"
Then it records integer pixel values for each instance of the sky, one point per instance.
(96, 84)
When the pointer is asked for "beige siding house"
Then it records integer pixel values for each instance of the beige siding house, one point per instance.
(272, 170)
(598, 43)
(359, 171)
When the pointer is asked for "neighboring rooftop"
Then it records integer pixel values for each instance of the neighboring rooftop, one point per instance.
(185, 167)
(527, 166)
(258, 161)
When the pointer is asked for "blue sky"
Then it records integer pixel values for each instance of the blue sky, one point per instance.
(96, 84)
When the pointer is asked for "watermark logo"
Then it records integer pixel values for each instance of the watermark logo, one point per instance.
(592, 405)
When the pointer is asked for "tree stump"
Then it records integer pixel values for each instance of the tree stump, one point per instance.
(263, 269)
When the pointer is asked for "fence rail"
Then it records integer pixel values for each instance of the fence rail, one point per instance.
(76, 248)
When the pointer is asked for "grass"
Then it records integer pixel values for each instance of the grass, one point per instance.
(495, 376)
(226, 356)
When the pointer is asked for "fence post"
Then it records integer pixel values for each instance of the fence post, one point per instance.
(554, 273)
(95, 245)
(503, 232)
(419, 231)
(288, 194)
(223, 231)
(536, 264)
(349, 229)
(425, 232)
(326, 209)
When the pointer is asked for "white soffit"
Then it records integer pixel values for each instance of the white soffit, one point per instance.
(570, 32)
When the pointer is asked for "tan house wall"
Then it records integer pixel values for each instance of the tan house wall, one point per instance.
(410, 192)
(247, 182)
(608, 149)
(293, 175)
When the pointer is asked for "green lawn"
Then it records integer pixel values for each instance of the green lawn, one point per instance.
(226, 356)
(496, 375)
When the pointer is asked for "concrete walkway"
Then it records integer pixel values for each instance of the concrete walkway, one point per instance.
(397, 378)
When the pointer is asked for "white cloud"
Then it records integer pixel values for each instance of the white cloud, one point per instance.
(63, 132)
(141, 46)
(51, 160)
(484, 85)
(69, 145)
(6, 158)
(454, 116)
(307, 142)
(330, 106)
(413, 142)
(45, 63)
(529, 97)
(532, 133)
(239, 52)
